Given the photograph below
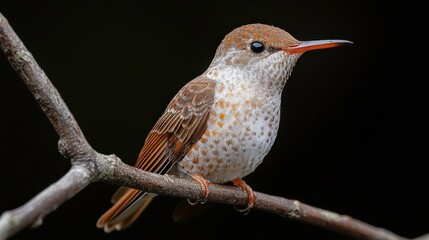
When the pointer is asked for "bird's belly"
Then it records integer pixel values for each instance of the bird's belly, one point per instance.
(233, 145)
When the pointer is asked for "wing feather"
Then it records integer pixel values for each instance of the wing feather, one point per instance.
(177, 130)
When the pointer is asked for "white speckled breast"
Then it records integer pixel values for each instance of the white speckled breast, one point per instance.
(243, 122)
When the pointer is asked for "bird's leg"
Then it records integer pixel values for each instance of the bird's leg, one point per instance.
(204, 184)
(250, 195)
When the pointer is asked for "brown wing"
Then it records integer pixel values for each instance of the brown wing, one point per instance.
(177, 130)
(181, 126)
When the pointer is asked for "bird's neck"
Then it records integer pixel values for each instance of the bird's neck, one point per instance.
(262, 77)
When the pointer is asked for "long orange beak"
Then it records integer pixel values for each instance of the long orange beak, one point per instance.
(305, 46)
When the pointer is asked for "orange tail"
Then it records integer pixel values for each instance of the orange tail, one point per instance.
(125, 210)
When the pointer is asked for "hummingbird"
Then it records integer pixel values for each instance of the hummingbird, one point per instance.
(220, 126)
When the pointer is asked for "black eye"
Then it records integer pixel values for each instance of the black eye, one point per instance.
(257, 47)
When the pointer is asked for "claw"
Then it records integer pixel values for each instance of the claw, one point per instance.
(193, 202)
(250, 195)
(204, 190)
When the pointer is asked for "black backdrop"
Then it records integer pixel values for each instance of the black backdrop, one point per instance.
(352, 135)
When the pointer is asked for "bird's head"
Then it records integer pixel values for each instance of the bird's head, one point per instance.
(264, 52)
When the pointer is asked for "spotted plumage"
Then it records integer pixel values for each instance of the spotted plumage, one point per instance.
(222, 124)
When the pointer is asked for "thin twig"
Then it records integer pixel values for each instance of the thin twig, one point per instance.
(89, 166)
(33, 212)
(72, 143)
(293, 209)
(423, 237)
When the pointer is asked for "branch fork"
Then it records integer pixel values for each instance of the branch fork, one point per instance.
(89, 166)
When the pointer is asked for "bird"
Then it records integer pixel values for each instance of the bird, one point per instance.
(220, 126)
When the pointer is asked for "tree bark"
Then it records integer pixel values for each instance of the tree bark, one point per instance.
(89, 166)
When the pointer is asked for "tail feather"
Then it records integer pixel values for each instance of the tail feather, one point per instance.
(119, 193)
(125, 210)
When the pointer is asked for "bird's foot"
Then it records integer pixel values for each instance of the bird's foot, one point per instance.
(204, 184)
(250, 195)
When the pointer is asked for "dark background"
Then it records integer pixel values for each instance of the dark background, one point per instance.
(352, 137)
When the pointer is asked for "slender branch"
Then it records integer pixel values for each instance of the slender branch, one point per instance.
(72, 143)
(293, 209)
(89, 166)
(33, 212)
(423, 237)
